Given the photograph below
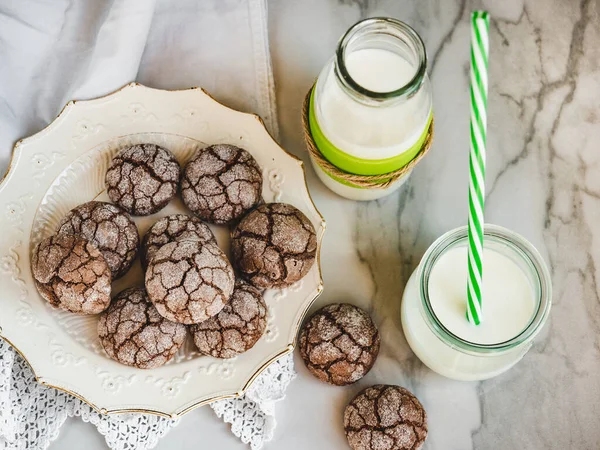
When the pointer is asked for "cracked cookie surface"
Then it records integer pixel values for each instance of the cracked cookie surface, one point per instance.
(109, 228)
(238, 326)
(385, 417)
(189, 281)
(71, 273)
(142, 178)
(274, 246)
(176, 227)
(132, 331)
(339, 344)
(221, 183)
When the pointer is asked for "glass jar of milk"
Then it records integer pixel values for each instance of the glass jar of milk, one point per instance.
(370, 110)
(516, 303)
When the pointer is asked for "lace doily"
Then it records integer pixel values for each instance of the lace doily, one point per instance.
(31, 415)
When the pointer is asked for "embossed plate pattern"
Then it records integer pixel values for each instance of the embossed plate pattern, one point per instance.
(63, 166)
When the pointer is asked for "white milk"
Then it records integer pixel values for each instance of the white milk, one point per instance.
(372, 102)
(379, 70)
(366, 131)
(516, 303)
(508, 298)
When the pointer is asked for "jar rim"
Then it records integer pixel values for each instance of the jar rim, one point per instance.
(409, 88)
(520, 246)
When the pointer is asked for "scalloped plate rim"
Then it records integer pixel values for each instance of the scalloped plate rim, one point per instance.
(60, 118)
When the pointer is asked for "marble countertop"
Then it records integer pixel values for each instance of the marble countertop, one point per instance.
(543, 182)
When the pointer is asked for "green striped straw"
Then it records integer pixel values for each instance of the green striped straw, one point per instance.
(480, 23)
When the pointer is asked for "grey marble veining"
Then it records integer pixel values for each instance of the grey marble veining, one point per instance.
(543, 181)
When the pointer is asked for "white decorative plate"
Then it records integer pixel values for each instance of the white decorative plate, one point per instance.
(63, 166)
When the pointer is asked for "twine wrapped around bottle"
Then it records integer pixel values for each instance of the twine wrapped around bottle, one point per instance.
(359, 181)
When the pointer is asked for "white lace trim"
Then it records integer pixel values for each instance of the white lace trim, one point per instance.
(31, 415)
(252, 417)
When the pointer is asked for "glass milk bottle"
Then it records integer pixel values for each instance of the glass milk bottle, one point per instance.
(516, 303)
(370, 110)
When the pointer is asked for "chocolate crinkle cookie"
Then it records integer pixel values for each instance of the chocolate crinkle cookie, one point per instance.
(176, 227)
(385, 417)
(238, 326)
(132, 331)
(108, 227)
(189, 281)
(71, 274)
(339, 344)
(274, 246)
(143, 178)
(221, 183)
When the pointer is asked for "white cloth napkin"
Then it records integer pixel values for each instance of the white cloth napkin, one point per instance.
(55, 51)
